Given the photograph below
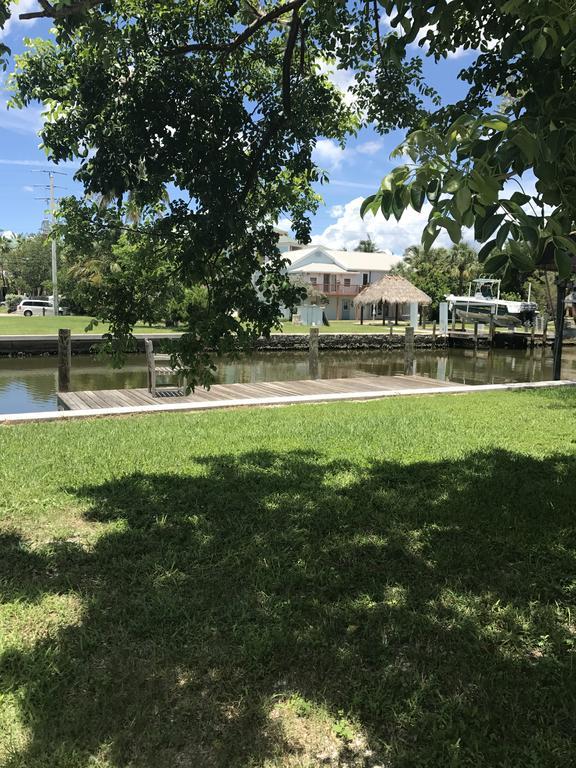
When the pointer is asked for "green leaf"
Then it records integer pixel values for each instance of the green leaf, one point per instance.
(417, 197)
(463, 199)
(371, 204)
(429, 235)
(566, 243)
(452, 227)
(495, 263)
(433, 191)
(520, 259)
(486, 249)
(564, 263)
(502, 234)
(540, 46)
(520, 198)
(569, 54)
(491, 225)
(497, 124)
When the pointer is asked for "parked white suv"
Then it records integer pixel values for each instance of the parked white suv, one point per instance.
(29, 307)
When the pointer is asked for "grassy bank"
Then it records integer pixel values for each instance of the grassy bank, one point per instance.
(387, 583)
(17, 325)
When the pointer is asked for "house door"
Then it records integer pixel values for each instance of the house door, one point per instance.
(346, 309)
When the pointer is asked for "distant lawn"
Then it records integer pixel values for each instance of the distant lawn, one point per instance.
(343, 326)
(15, 325)
(388, 583)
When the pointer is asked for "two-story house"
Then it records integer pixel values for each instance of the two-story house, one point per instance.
(339, 275)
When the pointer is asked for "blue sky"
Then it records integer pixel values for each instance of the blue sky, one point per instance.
(355, 172)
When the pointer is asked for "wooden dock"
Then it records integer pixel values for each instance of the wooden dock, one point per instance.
(230, 395)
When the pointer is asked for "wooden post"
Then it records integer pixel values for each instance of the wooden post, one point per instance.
(491, 331)
(396, 318)
(151, 366)
(64, 359)
(409, 350)
(453, 317)
(361, 314)
(391, 330)
(544, 332)
(559, 328)
(476, 335)
(532, 335)
(434, 334)
(313, 361)
(462, 325)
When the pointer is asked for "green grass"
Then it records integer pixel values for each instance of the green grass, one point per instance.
(16, 325)
(387, 583)
(343, 326)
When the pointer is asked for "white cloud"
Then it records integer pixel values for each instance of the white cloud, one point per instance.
(28, 188)
(349, 228)
(24, 6)
(27, 120)
(370, 147)
(284, 224)
(342, 79)
(328, 154)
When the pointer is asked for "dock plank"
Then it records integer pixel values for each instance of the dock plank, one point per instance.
(227, 393)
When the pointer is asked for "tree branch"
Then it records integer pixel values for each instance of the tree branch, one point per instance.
(277, 122)
(49, 12)
(377, 27)
(287, 62)
(245, 35)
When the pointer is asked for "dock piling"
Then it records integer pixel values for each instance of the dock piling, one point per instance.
(409, 350)
(313, 353)
(64, 359)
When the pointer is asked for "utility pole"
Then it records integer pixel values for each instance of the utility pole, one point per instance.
(54, 261)
(52, 202)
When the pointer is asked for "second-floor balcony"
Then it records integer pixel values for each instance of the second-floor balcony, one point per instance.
(337, 287)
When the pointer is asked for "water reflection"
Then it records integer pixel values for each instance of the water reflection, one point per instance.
(29, 384)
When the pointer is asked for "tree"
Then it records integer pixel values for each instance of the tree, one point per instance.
(464, 159)
(222, 101)
(440, 271)
(226, 100)
(28, 264)
(368, 246)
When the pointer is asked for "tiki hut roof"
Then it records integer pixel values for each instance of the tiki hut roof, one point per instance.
(394, 290)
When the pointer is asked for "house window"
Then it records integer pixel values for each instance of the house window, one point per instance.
(365, 278)
(347, 282)
(313, 280)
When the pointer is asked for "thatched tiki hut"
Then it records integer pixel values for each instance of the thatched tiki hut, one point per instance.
(390, 290)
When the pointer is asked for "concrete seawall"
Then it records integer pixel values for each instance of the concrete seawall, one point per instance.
(88, 343)
(83, 344)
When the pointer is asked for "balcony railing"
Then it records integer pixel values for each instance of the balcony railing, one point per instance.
(337, 288)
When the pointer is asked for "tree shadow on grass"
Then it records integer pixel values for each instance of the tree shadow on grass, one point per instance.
(427, 602)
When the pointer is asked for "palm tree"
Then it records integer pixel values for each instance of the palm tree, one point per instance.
(463, 265)
(368, 246)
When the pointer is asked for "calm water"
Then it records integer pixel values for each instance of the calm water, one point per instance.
(29, 384)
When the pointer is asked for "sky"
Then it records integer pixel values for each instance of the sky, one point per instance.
(355, 171)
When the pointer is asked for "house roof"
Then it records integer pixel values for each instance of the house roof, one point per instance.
(349, 261)
(394, 290)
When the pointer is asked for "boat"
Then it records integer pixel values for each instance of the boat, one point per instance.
(483, 302)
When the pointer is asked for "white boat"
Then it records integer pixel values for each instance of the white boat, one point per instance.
(483, 301)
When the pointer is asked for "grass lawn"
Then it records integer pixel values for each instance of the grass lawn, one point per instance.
(364, 584)
(15, 325)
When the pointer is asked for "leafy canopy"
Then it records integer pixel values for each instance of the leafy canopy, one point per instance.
(467, 160)
(218, 104)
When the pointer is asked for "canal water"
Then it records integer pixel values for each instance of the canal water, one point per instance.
(29, 384)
